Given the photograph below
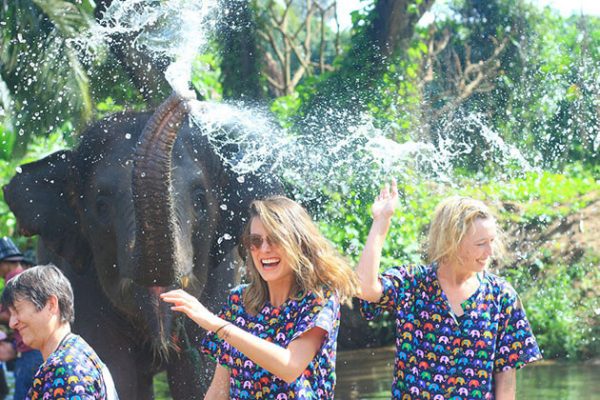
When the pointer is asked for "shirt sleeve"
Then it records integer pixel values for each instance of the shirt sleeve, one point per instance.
(516, 345)
(396, 284)
(217, 349)
(324, 314)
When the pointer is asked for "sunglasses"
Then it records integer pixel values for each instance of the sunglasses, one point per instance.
(255, 242)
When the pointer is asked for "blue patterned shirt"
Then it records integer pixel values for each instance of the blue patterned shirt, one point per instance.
(441, 356)
(279, 325)
(72, 372)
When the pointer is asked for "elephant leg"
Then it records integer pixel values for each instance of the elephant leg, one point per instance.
(189, 375)
(108, 333)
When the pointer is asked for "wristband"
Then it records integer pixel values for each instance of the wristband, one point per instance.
(221, 327)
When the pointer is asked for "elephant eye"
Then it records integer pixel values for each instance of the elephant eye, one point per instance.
(199, 200)
(102, 208)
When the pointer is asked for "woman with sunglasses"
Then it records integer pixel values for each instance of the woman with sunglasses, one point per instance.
(276, 336)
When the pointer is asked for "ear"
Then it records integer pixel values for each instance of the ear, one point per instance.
(43, 197)
(52, 304)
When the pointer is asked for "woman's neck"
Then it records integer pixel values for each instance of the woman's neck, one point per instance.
(451, 273)
(54, 340)
(280, 291)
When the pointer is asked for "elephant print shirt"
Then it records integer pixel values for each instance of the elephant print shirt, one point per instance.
(72, 372)
(441, 356)
(279, 325)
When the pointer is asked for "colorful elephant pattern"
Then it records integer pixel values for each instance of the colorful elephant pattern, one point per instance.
(441, 356)
(279, 325)
(72, 372)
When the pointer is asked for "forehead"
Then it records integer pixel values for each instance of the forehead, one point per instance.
(257, 226)
(482, 227)
(21, 303)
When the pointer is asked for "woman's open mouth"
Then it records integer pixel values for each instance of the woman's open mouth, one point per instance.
(270, 263)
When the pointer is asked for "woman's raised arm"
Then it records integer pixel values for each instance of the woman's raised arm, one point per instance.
(368, 266)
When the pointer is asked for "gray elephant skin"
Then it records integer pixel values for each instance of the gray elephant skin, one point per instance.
(142, 205)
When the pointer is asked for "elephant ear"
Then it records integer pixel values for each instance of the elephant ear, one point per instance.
(42, 197)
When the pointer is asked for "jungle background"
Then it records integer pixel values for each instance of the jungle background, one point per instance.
(482, 72)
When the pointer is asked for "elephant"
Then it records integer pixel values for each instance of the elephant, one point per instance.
(141, 206)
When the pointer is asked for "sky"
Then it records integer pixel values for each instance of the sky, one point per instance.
(565, 7)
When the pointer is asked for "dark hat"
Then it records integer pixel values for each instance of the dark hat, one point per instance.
(9, 251)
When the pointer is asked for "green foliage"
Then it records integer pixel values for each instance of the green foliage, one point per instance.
(286, 108)
(541, 196)
(542, 97)
(205, 76)
(7, 142)
(112, 89)
(552, 111)
(40, 67)
(559, 298)
(562, 304)
(161, 386)
(108, 106)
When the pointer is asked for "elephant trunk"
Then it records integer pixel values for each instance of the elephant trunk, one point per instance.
(157, 244)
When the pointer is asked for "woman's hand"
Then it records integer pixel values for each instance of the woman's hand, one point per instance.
(385, 204)
(190, 306)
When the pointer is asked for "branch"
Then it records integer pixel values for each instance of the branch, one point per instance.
(473, 77)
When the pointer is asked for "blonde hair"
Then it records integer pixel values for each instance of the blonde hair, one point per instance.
(452, 219)
(317, 265)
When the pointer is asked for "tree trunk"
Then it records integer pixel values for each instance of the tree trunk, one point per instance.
(387, 34)
(240, 68)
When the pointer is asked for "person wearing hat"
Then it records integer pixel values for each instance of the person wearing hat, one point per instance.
(26, 359)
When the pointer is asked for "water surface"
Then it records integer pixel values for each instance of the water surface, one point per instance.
(367, 374)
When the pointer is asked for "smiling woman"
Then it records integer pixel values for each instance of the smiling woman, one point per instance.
(276, 336)
(40, 301)
(460, 329)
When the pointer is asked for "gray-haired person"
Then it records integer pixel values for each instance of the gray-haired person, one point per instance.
(40, 301)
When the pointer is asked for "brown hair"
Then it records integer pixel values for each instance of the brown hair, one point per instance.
(317, 265)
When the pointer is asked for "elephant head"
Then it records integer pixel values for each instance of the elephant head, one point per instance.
(143, 205)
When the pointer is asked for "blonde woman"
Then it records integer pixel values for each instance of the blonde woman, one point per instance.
(276, 336)
(461, 331)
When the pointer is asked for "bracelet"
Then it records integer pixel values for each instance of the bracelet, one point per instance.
(221, 327)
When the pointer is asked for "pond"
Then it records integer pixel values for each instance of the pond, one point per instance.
(367, 374)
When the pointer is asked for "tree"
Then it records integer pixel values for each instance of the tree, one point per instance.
(43, 82)
(240, 55)
(384, 34)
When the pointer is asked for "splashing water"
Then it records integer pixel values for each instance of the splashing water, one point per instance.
(175, 29)
(249, 140)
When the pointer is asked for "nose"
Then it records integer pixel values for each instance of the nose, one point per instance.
(265, 246)
(13, 321)
(489, 250)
